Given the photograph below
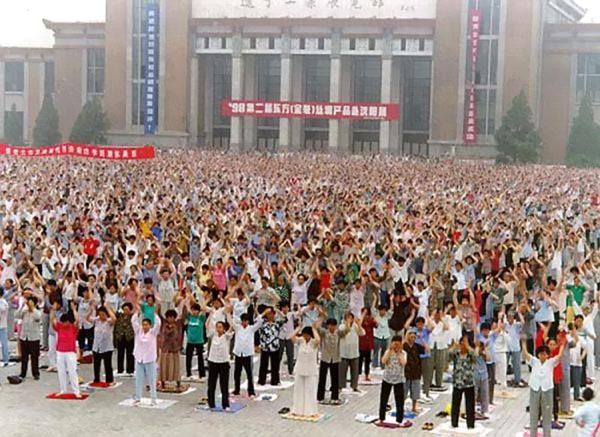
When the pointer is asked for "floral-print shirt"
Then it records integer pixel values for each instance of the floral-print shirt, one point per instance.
(464, 369)
(269, 336)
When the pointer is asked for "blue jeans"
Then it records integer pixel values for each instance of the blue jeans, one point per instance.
(381, 345)
(145, 373)
(515, 362)
(4, 344)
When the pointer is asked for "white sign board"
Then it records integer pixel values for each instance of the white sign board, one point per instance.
(298, 9)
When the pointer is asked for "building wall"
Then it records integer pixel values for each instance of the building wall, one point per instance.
(117, 40)
(446, 68)
(69, 87)
(176, 59)
(522, 51)
(35, 95)
(555, 103)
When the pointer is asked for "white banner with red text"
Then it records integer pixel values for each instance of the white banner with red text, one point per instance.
(82, 151)
(470, 134)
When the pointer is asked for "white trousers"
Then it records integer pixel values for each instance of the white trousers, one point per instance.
(590, 369)
(67, 368)
(52, 350)
(501, 369)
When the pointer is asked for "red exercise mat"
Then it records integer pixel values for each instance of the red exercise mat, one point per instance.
(100, 384)
(67, 396)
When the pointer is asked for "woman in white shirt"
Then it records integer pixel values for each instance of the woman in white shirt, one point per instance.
(541, 386)
(305, 372)
(218, 362)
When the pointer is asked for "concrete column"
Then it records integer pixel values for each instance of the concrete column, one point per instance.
(26, 102)
(237, 92)
(397, 127)
(250, 91)
(207, 103)
(297, 130)
(2, 103)
(285, 93)
(335, 89)
(386, 92)
(346, 95)
(193, 120)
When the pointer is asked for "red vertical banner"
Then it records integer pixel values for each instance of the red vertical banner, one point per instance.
(470, 130)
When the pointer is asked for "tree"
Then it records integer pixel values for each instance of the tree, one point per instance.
(584, 140)
(91, 124)
(46, 126)
(13, 127)
(518, 139)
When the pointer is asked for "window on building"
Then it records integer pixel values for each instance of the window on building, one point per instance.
(588, 77)
(221, 91)
(139, 63)
(371, 44)
(316, 71)
(13, 126)
(367, 89)
(253, 43)
(271, 43)
(417, 93)
(321, 43)
(49, 78)
(485, 76)
(352, 43)
(95, 72)
(269, 89)
(14, 77)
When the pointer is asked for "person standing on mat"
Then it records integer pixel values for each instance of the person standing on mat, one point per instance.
(145, 353)
(330, 361)
(393, 360)
(124, 338)
(103, 346)
(218, 362)
(541, 386)
(29, 337)
(464, 358)
(243, 350)
(412, 369)
(66, 349)
(3, 329)
(195, 324)
(269, 334)
(349, 333)
(305, 372)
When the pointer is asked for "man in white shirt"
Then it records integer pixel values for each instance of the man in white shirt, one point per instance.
(243, 350)
(541, 386)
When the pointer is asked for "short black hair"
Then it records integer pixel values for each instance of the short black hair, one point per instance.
(196, 307)
(171, 313)
(146, 319)
(331, 321)
(419, 319)
(579, 316)
(485, 325)
(127, 305)
(245, 317)
(588, 394)
(542, 348)
(102, 310)
(396, 338)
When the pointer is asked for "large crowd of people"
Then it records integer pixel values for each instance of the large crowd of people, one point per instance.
(328, 266)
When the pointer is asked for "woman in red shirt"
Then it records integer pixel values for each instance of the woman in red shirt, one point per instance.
(366, 343)
(555, 348)
(66, 349)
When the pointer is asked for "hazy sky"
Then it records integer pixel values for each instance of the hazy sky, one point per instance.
(21, 20)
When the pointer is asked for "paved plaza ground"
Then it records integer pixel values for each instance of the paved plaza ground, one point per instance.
(24, 411)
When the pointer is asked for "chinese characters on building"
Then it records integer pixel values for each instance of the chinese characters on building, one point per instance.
(151, 84)
(351, 111)
(79, 150)
(470, 134)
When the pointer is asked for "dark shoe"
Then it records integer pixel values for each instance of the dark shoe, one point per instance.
(235, 393)
(36, 377)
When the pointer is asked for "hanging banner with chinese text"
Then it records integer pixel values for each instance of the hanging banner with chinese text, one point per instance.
(150, 88)
(323, 110)
(470, 136)
(80, 150)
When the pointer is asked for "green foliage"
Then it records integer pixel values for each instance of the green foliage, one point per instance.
(91, 124)
(46, 131)
(518, 140)
(13, 127)
(584, 140)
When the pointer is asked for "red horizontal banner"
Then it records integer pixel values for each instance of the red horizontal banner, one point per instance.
(80, 150)
(324, 110)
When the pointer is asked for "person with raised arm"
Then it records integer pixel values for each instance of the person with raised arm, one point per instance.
(66, 349)
(305, 371)
(393, 361)
(145, 353)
